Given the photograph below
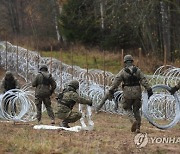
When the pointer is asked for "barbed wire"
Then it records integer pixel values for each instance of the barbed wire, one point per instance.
(18, 105)
(162, 109)
(94, 83)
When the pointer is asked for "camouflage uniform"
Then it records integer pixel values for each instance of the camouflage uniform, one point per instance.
(45, 86)
(178, 85)
(175, 88)
(9, 82)
(69, 97)
(130, 78)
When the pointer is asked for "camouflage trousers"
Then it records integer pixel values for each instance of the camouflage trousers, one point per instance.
(132, 106)
(67, 115)
(73, 117)
(47, 103)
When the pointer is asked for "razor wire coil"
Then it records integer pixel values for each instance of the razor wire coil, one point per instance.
(92, 82)
(162, 106)
(18, 105)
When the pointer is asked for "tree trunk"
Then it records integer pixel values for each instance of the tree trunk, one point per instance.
(102, 13)
(166, 28)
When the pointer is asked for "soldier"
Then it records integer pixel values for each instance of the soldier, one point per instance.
(9, 82)
(175, 88)
(66, 101)
(45, 86)
(131, 78)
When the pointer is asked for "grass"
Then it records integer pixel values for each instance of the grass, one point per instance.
(91, 60)
(108, 61)
(110, 135)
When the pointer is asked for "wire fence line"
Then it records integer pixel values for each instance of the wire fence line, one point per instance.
(93, 82)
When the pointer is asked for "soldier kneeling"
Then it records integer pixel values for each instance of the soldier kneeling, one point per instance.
(66, 101)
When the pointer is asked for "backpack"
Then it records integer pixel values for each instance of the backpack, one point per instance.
(46, 80)
(132, 80)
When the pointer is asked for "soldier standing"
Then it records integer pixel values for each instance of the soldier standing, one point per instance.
(175, 88)
(45, 86)
(9, 82)
(66, 101)
(131, 78)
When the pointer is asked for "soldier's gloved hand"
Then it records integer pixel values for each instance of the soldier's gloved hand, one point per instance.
(173, 90)
(150, 92)
(90, 103)
(51, 91)
(110, 95)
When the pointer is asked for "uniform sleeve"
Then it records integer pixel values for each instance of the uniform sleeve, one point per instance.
(117, 81)
(17, 84)
(81, 100)
(53, 84)
(35, 82)
(144, 81)
(178, 85)
(2, 85)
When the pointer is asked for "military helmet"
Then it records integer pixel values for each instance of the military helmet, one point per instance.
(128, 58)
(74, 84)
(43, 68)
(9, 74)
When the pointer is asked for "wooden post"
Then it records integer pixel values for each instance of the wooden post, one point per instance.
(17, 59)
(61, 69)
(0, 58)
(72, 63)
(6, 57)
(51, 61)
(27, 64)
(122, 57)
(104, 70)
(140, 56)
(87, 67)
(165, 55)
(38, 56)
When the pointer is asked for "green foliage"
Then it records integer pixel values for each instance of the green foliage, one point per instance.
(120, 38)
(122, 24)
(77, 22)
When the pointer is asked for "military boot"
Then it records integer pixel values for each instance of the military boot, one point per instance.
(64, 124)
(39, 122)
(134, 126)
(138, 128)
(52, 122)
(97, 110)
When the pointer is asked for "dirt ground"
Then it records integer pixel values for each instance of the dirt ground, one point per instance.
(111, 135)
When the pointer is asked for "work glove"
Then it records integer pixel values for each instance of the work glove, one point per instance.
(173, 90)
(90, 103)
(150, 92)
(51, 91)
(110, 95)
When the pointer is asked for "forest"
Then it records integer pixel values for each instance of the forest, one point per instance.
(112, 25)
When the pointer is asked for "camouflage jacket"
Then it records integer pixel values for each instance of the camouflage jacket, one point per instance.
(130, 78)
(44, 83)
(69, 99)
(178, 85)
(9, 84)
